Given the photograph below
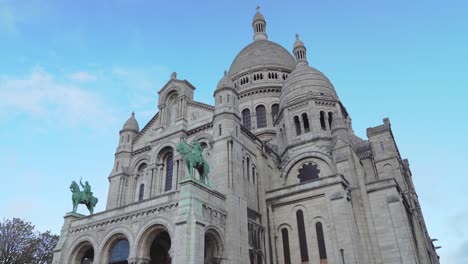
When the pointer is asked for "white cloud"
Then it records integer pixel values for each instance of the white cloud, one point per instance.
(82, 76)
(41, 97)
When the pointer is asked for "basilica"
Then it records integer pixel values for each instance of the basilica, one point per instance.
(272, 173)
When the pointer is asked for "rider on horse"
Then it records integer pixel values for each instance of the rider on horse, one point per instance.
(87, 190)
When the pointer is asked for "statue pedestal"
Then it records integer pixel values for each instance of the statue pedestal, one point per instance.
(68, 218)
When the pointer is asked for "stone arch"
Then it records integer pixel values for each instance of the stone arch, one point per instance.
(204, 138)
(172, 106)
(301, 207)
(143, 158)
(81, 248)
(284, 225)
(162, 150)
(214, 245)
(312, 155)
(388, 170)
(169, 92)
(111, 239)
(155, 244)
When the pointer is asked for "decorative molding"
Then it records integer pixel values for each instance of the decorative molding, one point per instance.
(298, 106)
(214, 216)
(199, 129)
(259, 90)
(146, 128)
(324, 103)
(201, 105)
(142, 150)
(163, 209)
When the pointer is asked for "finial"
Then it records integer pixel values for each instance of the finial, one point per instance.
(225, 73)
(297, 36)
(174, 75)
(258, 8)
(133, 114)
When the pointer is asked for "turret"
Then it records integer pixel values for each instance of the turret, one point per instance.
(226, 115)
(128, 132)
(120, 173)
(338, 127)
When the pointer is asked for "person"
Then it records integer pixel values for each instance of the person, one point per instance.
(197, 151)
(87, 190)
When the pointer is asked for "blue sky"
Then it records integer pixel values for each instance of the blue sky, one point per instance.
(71, 72)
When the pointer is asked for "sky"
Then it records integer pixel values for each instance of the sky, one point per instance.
(71, 73)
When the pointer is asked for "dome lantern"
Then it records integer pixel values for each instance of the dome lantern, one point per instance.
(259, 26)
(299, 50)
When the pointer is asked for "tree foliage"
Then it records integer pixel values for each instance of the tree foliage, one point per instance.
(23, 245)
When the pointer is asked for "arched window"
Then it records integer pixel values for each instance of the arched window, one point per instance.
(274, 112)
(119, 252)
(142, 192)
(322, 120)
(243, 169)
(287, 255)
(309, 171)
(248, 169)
(261, 116)
(297, 124)
(246, 118)
(305, 120)
(330, 118)
(169, 171)
(141, 168)
(321, 242)
(253, 174)
(302, 236)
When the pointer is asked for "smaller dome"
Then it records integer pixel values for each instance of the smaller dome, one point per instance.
(131, 124)
(225, 82)
(306, 80)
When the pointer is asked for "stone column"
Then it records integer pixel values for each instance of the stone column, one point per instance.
(68, 219)
(189, 241)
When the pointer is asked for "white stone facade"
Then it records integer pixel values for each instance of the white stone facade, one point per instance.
(289, 180)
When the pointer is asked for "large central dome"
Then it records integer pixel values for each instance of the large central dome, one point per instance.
(261, 54)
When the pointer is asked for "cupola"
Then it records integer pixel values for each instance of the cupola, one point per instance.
(259, 26)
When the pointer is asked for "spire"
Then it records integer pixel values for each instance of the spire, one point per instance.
(259, 26)
(299, 50)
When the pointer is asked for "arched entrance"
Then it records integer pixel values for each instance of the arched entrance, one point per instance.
(83, 254)
(213, 247)
(159, 252)
(119, 252)
(155, 245)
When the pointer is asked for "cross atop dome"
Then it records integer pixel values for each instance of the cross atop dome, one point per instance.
(259, 26)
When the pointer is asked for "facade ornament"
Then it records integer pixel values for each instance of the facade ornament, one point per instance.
(83, 197)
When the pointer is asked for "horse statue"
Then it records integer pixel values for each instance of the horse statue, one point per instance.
(193, 158)
(83, 197)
